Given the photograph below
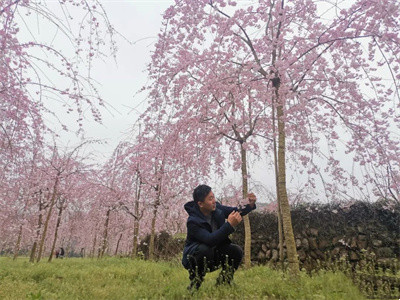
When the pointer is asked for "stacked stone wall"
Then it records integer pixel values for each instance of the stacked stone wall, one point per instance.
(324, 232)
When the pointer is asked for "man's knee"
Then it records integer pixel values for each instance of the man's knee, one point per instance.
(231, 254)
(204, 251)
(236, 251)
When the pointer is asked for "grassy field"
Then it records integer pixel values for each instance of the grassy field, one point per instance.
(120, 278)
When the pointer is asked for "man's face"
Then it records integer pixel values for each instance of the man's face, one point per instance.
(209, 204)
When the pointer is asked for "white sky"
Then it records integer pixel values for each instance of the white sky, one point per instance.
(139, 22)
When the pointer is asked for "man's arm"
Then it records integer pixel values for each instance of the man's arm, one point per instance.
(212, 239)
(227, 210)
(204, 236)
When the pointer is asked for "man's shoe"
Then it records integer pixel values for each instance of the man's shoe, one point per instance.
(194, 285)
(225, 277)
(222, 282)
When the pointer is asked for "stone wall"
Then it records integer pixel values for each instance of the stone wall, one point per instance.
(329, 232)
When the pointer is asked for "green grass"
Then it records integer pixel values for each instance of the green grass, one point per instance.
(121, 278)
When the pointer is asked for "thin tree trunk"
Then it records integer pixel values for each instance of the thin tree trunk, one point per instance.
(136, 225)
(116, 249)
(46, 224)
(33, 252)
(153, 229)
(135, 238)
(246, 220)
(56, 231)
(280, 232)
(34, 246)
(105, 235)
(17, 245)
(285, 207)
(92, 253)
(155, 210)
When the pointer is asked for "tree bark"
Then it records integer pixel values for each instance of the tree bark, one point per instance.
(278, 198)
(283, 204)
(92, 253)
(46, 224)
(18, 243)
(39, 227)
(105, 234)
(153, 228)
(285, 207)
(135, 238)
(116, 249)
(246, 220)
(136, 225)
(56, 231)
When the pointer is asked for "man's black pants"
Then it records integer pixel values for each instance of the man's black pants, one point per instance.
(208, 259)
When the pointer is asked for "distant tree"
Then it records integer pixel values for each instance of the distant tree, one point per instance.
(37, 73)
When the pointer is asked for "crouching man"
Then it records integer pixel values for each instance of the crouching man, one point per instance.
(207, 244)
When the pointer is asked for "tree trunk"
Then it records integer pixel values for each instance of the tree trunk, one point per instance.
(116, 249)
(56, 231)
(136, 225)
(156, 204)
(105, 235)
(92, 253)
(246, 220)
(34, 246)
(285, 207)
(280, 232)
(46, 223)
(153, 229)
(17, 245)
(33, 252)
(135, 238)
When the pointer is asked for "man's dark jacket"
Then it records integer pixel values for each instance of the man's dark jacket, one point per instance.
(199, 230)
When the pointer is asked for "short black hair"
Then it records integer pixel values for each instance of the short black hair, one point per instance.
(200, 193)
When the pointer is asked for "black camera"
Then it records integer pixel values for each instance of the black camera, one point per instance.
(240, 209)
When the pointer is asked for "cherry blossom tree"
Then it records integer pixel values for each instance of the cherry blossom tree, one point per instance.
(59, 168)
(28, 62)
(319, 67)
(169, 171)
(36, 74)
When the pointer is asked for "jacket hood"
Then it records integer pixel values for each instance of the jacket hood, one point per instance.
(193, 210)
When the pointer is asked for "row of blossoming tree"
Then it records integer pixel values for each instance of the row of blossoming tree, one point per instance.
(287, 82)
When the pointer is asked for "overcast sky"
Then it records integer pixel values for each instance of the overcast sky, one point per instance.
(118, 80)
(139, 21)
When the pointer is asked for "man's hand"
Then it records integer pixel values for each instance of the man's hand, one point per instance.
(252, 199)
(234, 218)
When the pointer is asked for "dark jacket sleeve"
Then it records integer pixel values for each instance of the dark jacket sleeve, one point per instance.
(204, 236)
(228, 209)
